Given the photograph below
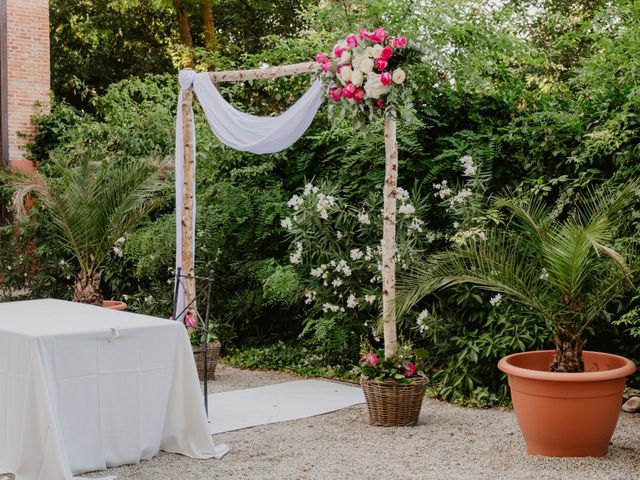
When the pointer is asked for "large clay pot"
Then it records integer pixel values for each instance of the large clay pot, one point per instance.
(114, 305)
(566, 414)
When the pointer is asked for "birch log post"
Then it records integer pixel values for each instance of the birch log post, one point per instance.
(389, 238)
(188, 227)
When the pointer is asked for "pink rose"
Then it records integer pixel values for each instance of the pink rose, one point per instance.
(370, 358)
(189, 320)
(336, 94)
(387, 52)
(338, 51)
(358, 95)
(381, 64)
(348, 90)
(380, 104)
(400, 42)
(409, 369)
(364, 33)
(385, 79)
(378, 35)
(326, 66)
(352, 41)
(321, 58)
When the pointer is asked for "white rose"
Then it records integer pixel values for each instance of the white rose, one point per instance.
(398, 76)
(345, 57)
(369, 52)
(377, 50)
(363, 63)
(373, 88)
(346, 73)
(357, 78)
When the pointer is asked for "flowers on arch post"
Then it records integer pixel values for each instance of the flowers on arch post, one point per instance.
(364, 72)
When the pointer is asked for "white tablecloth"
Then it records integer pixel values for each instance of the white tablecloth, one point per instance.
(83, 388)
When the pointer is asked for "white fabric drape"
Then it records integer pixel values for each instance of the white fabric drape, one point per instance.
(238, 130)
(84, 388)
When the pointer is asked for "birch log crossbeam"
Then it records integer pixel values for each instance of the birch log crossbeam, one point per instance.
(263, 73)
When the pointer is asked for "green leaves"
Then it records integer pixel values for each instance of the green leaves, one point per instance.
(560, 267)
(93, 204)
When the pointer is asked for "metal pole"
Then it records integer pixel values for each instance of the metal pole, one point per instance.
(206, 345)
(176, 291)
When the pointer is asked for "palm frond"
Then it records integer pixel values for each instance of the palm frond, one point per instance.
(92, 203)
(498, 264)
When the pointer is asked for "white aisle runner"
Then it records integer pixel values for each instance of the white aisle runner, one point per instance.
(278, 403)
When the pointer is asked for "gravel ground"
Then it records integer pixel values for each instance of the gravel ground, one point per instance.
(449, 442)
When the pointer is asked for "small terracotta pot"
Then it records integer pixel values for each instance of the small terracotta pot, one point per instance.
(566, 414)
(114, 305)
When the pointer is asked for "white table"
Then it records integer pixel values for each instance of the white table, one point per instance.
(83, 388)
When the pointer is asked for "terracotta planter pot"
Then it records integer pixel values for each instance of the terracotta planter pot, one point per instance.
(566, 414)
(114, 305)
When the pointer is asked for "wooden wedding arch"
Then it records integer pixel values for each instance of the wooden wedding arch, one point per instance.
(389, 192)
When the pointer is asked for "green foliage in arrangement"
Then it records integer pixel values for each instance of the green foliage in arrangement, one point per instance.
(543, 101)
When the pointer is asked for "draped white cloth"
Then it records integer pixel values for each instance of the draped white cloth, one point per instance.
(238, 130)
(83, 388)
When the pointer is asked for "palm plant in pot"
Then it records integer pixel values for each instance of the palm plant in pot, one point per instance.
(92, 205)
(561, 265)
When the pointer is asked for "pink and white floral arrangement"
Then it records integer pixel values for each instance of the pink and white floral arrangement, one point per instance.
(363, 72)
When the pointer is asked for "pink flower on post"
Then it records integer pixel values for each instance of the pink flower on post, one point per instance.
(387, 52)
(409, 369)
(348, 90)
(385, 79)
(189, 320)
(378, 35)
(381, 64)
(338, 50)
(358, 95)
(326, 66)
(321, 58)
(364, 33)
(400, 42)
(336, 94)
(371, 359)
(352, 41)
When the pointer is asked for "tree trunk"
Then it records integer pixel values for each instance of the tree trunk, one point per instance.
(183, 23)
(209, 26)
(568, 355)
(389, 239)
(87, 289)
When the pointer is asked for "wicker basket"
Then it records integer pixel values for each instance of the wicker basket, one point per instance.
(213, 354)
(394, 405)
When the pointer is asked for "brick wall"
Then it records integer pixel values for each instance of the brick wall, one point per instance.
(28, 70)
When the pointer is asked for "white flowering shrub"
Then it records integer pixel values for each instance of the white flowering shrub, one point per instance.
(466, 205)
(336, 247)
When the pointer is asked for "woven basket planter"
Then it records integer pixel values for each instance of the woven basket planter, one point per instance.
(394, 405)
(213, 354)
